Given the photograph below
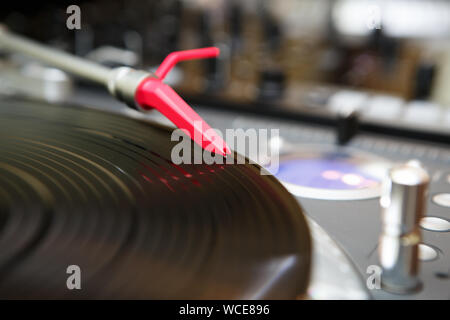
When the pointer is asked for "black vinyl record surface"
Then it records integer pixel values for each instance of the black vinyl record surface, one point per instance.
(99, 191)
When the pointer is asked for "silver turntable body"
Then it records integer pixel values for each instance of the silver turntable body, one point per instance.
(346, 226)
(344, 211)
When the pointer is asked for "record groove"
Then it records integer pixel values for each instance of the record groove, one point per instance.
(98, 190)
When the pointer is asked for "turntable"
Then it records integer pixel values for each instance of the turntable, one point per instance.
(99, 190)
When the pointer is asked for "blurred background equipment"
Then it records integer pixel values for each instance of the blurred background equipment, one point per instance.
(271, 49)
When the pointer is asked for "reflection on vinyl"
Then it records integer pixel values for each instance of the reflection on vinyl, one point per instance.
(98, 190)
(333, 174)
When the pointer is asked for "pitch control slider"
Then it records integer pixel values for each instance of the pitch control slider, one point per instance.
(134, 87)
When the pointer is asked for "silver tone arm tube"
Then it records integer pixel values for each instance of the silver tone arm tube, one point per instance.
(122, 82)
(59, 59)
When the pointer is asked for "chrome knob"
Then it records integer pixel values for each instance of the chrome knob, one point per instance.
(403, 204)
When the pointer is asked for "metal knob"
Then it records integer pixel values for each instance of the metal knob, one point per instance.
(403, 204)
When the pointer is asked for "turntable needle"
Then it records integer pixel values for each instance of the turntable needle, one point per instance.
(137, 88)
(153, 92)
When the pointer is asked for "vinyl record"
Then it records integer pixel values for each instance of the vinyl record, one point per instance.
(98, 191)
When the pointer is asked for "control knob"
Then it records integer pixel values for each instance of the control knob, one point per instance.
(403, 204)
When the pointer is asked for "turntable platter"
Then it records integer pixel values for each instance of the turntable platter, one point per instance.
(98, 190)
